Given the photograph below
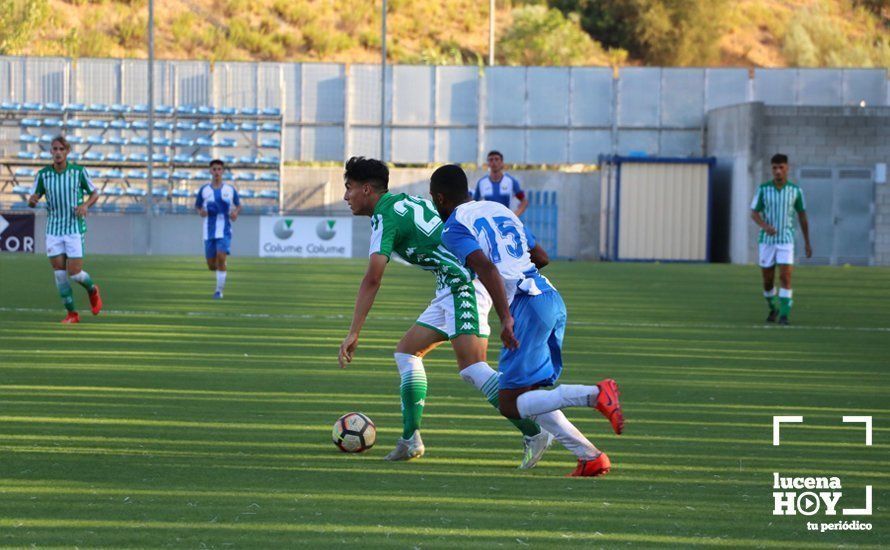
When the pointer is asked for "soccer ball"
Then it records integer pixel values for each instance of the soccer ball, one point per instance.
(354, 433)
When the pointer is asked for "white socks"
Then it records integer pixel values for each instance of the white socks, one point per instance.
(220, 281)
(478, 374)
(784, 293)
(769, 293)
(566, 433)
(483, 378)
(408, 363)
(61, 277)
(537, 402)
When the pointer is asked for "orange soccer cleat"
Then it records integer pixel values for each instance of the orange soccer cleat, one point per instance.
(71, 318)
(599, 466)
(95, 300)
(607, 403)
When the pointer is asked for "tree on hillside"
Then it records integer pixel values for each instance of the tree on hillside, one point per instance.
(543, 36)
(659, 32)
(814, 39)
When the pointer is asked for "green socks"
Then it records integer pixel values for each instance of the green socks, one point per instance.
(64, 288)
(771, 299)
(785, 302)
(84, 280)
(525, 425)
(485, 379)
(412, 391)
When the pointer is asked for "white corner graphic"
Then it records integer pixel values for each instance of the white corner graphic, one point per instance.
(862, 420)
(861, 511)
(778, 421)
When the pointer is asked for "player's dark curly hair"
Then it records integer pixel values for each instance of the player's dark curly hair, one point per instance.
(364, 170)
(451, 181)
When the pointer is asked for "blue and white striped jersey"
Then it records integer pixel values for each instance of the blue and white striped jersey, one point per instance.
(495, 230)
(218, 202)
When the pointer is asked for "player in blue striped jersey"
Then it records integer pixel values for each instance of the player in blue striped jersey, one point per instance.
(218, 203)
(491, 240)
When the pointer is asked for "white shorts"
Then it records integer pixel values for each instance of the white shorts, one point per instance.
(462, 310)
(70, 245)
(772, 254)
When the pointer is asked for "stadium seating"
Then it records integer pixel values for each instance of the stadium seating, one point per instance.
(112, 141)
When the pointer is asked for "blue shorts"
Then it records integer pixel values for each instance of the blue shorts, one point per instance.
(212, 247)
(540, 326)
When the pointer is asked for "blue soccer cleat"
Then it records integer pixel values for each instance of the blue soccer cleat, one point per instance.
(217, 295)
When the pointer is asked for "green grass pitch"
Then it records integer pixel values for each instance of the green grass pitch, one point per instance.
(173, 420)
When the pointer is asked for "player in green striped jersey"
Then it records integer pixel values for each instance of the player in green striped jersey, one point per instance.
(411, 228)
(69, 193)
(773, 210)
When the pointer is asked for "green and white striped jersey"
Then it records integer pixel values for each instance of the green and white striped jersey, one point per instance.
(411, 228)
(64, 192)
(777, 206)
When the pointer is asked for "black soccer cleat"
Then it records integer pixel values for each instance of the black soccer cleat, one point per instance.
(773, 315)
(783, 320)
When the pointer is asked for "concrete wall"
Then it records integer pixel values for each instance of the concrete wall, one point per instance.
(319, 191)
(744, 137)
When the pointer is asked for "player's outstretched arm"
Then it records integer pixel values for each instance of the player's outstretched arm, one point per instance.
(367, 292)
(494, 284)
(805, 229)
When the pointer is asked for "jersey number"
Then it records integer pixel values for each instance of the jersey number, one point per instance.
(507, 229)
(421, 210)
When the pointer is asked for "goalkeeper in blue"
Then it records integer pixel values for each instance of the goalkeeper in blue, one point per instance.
(489, 239)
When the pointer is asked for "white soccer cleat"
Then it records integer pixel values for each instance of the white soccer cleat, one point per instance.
(406, 449)
(535, 447)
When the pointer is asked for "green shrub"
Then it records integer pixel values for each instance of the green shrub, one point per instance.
(814, 39)
(19, 19)
(542, 36)
(131, 32)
